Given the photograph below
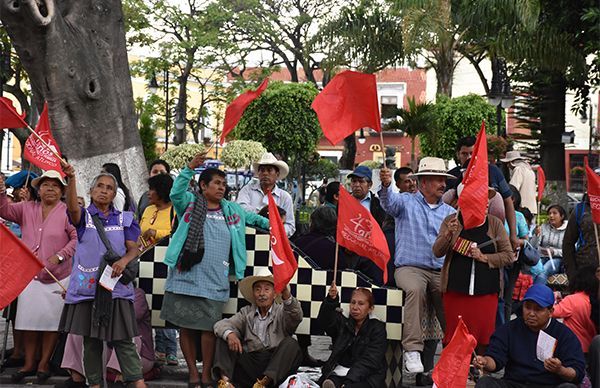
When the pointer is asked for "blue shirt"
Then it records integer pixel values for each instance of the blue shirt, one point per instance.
(522, 228)
(513, 347)
(417, 227)
(366, 201)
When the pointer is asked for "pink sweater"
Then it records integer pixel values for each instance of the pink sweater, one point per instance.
(46, 238)
(576, 310)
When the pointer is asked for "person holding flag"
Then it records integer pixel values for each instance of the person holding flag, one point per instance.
(418, 218)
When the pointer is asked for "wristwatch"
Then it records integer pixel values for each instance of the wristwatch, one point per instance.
(60, 258)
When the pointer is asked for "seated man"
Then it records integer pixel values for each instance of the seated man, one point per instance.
(514, 347)
(256, 344)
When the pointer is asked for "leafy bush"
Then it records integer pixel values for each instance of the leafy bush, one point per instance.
(372, 164)
(242, 153)
(179, 156)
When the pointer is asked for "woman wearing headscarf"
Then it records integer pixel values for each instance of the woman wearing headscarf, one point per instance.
(47, 232)
(92, 311)
(210, 231)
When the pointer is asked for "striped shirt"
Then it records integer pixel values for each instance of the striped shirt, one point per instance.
(417, 226)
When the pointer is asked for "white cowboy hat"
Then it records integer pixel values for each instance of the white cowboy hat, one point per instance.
(268, 159)
(50, 174)
(246, 285)
(432, 166)
(513, 155)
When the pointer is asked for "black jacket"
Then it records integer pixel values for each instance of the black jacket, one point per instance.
(368, 347)
(377, 210)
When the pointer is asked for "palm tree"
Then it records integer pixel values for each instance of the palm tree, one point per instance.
(415, 120)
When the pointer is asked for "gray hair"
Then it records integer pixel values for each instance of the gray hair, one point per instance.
(111, 176)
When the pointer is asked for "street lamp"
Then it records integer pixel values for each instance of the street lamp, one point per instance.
(153, 84)
(589, 118)
(500, 94)
(180, 126)
(362, 139)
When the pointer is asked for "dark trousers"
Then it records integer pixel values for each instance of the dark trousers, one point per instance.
(342, 381)
(511, 275)
(490, 382)
(243, 369)
(594, 361)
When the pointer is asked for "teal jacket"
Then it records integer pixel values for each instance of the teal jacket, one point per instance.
(237, 219)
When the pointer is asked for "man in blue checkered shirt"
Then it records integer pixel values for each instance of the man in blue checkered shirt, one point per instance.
(418, 218)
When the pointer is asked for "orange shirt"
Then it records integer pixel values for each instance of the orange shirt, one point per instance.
(576, 311)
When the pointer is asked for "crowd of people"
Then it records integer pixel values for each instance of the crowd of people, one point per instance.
(469, 274)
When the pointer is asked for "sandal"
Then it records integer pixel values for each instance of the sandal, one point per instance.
(43, 376)
(20, 375)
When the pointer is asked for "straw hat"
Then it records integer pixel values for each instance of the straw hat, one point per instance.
(268, 159)
(262, 275)
(50, 174)
(512, 156)
(429, 166)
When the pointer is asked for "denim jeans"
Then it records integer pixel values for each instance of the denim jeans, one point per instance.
(551, 267)
(165, 341)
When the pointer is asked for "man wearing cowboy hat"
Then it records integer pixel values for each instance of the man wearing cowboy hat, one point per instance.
(523, 178)
(256, 344)
(418, 219)
(253, 196)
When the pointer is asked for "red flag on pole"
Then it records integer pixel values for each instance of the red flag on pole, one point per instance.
(236, 109)
(39, 153)
(284, 261)
(452, 370)
(473, 199)
(358, 231)
(541, 182)
(9, 118)
(348, 103)
(593, 190)
(18, 265)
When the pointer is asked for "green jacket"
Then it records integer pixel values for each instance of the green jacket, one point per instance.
(237, 219)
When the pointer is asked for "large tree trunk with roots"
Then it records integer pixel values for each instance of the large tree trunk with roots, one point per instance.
(74, 52)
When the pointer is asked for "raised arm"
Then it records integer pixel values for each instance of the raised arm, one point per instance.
(448, 230)
(73, 207)
(9, 211)
(391, 202)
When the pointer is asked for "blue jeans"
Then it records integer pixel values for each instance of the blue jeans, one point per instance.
(165, 341)
(551, 267)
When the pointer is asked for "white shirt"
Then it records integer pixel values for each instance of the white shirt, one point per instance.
(523, 178)
(252, 198)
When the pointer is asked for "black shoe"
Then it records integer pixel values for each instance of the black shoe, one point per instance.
(69, 383)
(42, 377)
(423, 379)
(20, 375)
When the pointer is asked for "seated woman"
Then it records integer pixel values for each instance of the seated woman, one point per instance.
(470, 279)
(576, 308)
(549, 240)
(358, 355)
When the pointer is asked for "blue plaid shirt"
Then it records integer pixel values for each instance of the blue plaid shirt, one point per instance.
(417, 227)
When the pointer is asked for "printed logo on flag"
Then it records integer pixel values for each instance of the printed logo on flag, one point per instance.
(360, 233)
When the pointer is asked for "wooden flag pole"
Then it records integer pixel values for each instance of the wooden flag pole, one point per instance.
(28, 175)
(382, 147)
(46, 144)
(335, 263)
(55, 279)
(537, 216)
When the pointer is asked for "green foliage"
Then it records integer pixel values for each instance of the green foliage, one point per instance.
(242, 153)
(146, 109)
(283, 121)
(372, 164)
(456, 118)
(179, 156)
(322, 168)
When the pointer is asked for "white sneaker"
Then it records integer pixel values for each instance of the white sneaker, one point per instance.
(412, 362)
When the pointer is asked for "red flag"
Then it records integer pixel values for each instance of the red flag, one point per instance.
(473, 199)
(358, 231)
(452, 370)
(39, 153)
(541, 182)
(284, 261)
(236, 109)
(593, 190)
(9, 118)
(18, 266)
(348, 103)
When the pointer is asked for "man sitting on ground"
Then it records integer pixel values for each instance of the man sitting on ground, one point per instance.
(515, 347)
(256, 344)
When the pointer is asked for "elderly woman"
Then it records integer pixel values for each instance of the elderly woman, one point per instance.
(471, 274)
(95, 312)
(47, 232)
(210, 231)
(549, 240)
(358, 354)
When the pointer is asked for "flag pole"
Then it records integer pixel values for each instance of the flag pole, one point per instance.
(382, 147)
(597, 241)
(55, 279)
(537, 216)
(46, 144)
(335, 263)
(28, 174)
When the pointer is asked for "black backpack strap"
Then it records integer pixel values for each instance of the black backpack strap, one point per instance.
(102, 232)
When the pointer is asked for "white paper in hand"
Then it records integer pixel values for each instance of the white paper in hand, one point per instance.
(545, 346)
(107, 281)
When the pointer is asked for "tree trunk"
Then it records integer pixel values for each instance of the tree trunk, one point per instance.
(552, 120)
(349, 153)
(75, 55)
